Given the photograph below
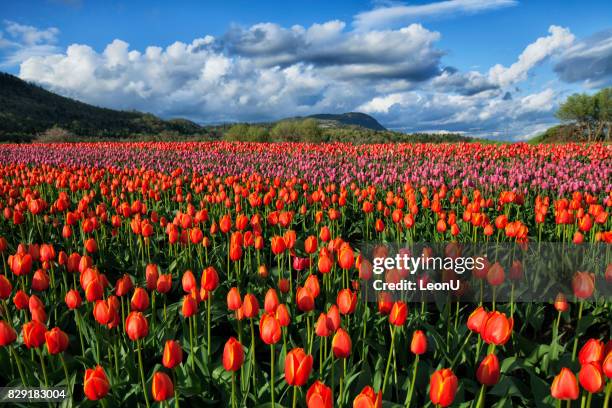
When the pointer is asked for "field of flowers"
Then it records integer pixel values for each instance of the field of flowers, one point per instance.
(218, 274)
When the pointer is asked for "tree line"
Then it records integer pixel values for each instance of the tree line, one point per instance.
(590, 115)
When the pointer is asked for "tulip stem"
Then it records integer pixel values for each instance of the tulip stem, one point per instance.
(608, 392)
(233, 389)
(18, 361)
(253, 355)
(142, 377)
(577, 323)
(191, 343)
(414, 373)
(176, 398)
(294, 396)
(208, 301)
(388, 360)
(272, 374)
(583, 400)
(44, 368)
(66, 374)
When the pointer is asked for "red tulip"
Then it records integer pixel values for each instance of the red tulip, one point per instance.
(418, 345)
(442, 387)
(162, 387)
(33, 334)
(173, 354)
(124, 285)
(367, 398)
(304, 299)
(250, 306)
(233, 355)
(5, 287)
(321, 328)
(477, 319)
(398, 314)
(190, 306)
(346, 301)
(565, 386)
(57, 341)
(95, 385)
(583, 284)
(271, 301)
(488, 371)
(269, 329)
(282, 315)
(333, 318)
(164, 283)
(607, 365)
(136, 326)
(188, 281)
(591, 378)
(319, 396)
(298, 365)
(21, 300)
(151, 276)
(341, 344)
(312, 284)
(497, 329)
(591, 352)
(210, 279)
(140, 300)
(7, 334)
(495, 274)
(234, 301)
(561, 304)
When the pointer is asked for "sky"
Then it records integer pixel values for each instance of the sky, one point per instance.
(497, 68)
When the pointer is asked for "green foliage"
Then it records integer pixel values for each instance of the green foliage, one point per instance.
(591, 115)
(28, 111)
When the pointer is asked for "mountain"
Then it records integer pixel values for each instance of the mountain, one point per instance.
(348, 119)
(27, 110)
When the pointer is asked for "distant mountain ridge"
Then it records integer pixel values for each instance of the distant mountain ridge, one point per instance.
(27, 110)
(349, 119)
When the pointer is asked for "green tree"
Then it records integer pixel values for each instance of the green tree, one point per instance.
(603, 100)
(579, 108)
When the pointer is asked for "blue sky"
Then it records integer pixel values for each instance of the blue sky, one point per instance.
(495, 68)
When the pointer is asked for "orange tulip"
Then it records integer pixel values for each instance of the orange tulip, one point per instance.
(443, 387)
(298, 365)
(33, 334)
(140, 300)
(346, 301)
(234, 302)
(304, 299)
(477, 319)
(7, 334)
(591, 352)
(583, 284)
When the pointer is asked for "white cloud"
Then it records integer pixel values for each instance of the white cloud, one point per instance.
(560, 38)
(588, 61)
(23, 41)
(403, 14)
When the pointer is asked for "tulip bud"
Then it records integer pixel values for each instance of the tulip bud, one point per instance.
(319, 396)
(136, 326)
(57, 341)
(398, 314)
(591, 378)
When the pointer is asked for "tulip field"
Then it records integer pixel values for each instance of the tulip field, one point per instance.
(209, 274)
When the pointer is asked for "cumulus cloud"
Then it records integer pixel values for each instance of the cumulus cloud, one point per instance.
(559, 39)
(267, 71)
(397, 14)
(21, 42)
(588, 61)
